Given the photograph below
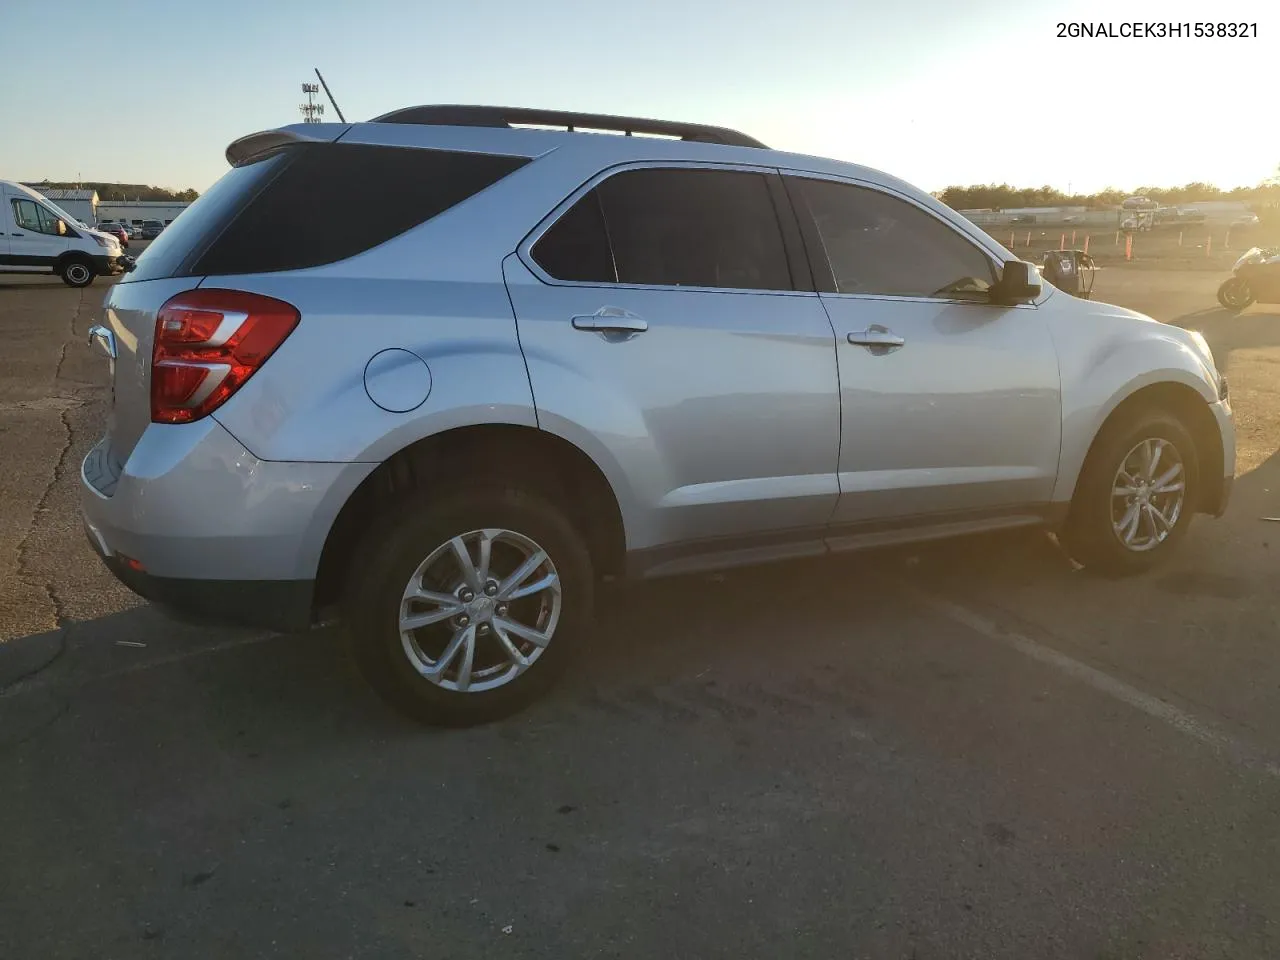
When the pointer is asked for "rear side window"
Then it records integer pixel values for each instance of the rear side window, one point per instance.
(380, 191)
(671, 227)
(577, 245)
(880, 244)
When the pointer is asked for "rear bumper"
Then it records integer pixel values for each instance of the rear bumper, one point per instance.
(195, 522)
(283, 605)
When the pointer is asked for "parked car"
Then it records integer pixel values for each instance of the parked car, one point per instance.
(151, 229)
(1245, 221)
(38, 236)
(581, 355)
(115, 230)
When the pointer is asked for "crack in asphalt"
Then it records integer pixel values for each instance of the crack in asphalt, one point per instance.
(23, 570)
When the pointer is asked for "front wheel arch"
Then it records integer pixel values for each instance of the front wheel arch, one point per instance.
(1191, 409)
(68, 267)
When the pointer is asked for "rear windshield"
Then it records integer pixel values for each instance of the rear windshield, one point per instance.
(278, 213)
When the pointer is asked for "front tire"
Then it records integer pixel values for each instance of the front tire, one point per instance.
(1135, 497)
(463, 608)
(77, 273)
(1235, 295)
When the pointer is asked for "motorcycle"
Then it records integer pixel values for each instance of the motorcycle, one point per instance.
(1255, 278)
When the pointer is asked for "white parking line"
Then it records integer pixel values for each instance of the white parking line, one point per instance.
(1206, 732)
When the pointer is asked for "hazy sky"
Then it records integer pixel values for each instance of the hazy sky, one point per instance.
(936, 91)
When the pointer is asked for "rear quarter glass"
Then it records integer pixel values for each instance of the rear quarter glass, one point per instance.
(172, 251)
(385, 190)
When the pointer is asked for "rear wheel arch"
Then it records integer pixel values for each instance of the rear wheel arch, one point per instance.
(517, 455)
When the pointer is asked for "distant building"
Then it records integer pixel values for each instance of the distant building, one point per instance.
(81, 204)
(135, 211)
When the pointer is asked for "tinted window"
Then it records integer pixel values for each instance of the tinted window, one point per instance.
(703, 228)
(577, 246)
(381, 191)
(879, 244)
(203, 220)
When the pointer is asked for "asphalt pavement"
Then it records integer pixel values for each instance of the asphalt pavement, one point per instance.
(970, 749)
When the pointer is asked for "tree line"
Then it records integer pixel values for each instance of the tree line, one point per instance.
(122, 191)
(1003, 196)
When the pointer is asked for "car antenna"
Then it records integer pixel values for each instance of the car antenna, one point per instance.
(336, 108)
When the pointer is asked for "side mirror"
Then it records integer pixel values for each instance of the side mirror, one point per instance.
(62, 228)
(1019, 283)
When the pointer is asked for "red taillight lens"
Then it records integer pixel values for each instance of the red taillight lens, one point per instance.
(208, 343)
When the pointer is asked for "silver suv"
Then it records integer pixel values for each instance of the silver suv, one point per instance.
(441, 372)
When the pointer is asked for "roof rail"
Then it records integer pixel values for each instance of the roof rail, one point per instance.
(457, 115)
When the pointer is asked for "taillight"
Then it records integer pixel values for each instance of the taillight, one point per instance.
(208, 343)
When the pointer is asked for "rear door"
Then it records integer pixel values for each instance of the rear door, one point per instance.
(664, 332)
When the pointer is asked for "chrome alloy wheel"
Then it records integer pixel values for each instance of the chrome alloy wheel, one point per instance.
(1148, 494)
(480, 610)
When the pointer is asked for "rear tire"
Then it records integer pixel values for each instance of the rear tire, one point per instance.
(413, 668)
(77, 273)
(1125, 519)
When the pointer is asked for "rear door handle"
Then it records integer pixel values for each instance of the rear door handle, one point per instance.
(611, 320)
(876, 336)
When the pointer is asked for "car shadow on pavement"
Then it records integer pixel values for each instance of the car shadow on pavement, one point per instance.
(648, 634)
(301, 688)
(789, 631)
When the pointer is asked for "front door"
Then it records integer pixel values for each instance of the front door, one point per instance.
(34, 240)
(951, 405)
(664, 335)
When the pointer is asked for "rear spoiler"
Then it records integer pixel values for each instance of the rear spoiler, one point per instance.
(255, 146)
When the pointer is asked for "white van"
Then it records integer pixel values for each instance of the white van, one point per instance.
(38, 236)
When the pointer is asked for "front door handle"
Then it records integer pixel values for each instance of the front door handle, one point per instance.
(876, 336)
(611, 320)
